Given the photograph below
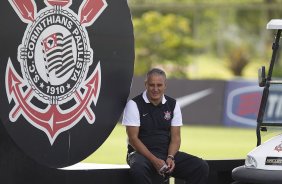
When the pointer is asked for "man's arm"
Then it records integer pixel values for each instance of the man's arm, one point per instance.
(135, 142)
(175, 140)
(174, 146)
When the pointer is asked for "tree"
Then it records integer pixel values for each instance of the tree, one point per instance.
(162, 39)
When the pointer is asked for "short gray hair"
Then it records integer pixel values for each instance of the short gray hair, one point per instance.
(156, 71)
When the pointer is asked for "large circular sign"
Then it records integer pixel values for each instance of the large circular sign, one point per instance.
(65, 75)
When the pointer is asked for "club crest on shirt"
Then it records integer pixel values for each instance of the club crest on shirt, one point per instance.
(167, 115)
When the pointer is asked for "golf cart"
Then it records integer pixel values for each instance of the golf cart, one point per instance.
(264, 163)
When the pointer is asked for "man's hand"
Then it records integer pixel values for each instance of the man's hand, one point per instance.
(158, 164)
(170, 163)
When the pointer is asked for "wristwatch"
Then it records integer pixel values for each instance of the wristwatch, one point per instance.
(171, 157)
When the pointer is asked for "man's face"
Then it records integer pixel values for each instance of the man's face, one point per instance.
(155, 85)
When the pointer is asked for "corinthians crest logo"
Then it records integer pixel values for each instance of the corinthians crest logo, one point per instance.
(55, 90)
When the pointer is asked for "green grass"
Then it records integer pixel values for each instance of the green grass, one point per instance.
(205, 142)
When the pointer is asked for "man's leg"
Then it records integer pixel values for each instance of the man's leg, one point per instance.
(192, 169)
(141, 169)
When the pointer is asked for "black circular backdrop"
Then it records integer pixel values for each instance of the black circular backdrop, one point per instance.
(38, 114)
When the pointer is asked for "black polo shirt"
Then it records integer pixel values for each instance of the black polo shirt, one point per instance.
(155, 123)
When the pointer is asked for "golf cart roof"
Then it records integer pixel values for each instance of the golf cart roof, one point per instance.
(274, 24)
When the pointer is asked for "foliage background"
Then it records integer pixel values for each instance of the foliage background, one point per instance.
(183, 35)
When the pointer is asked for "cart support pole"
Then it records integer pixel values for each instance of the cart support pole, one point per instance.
(275, 47)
